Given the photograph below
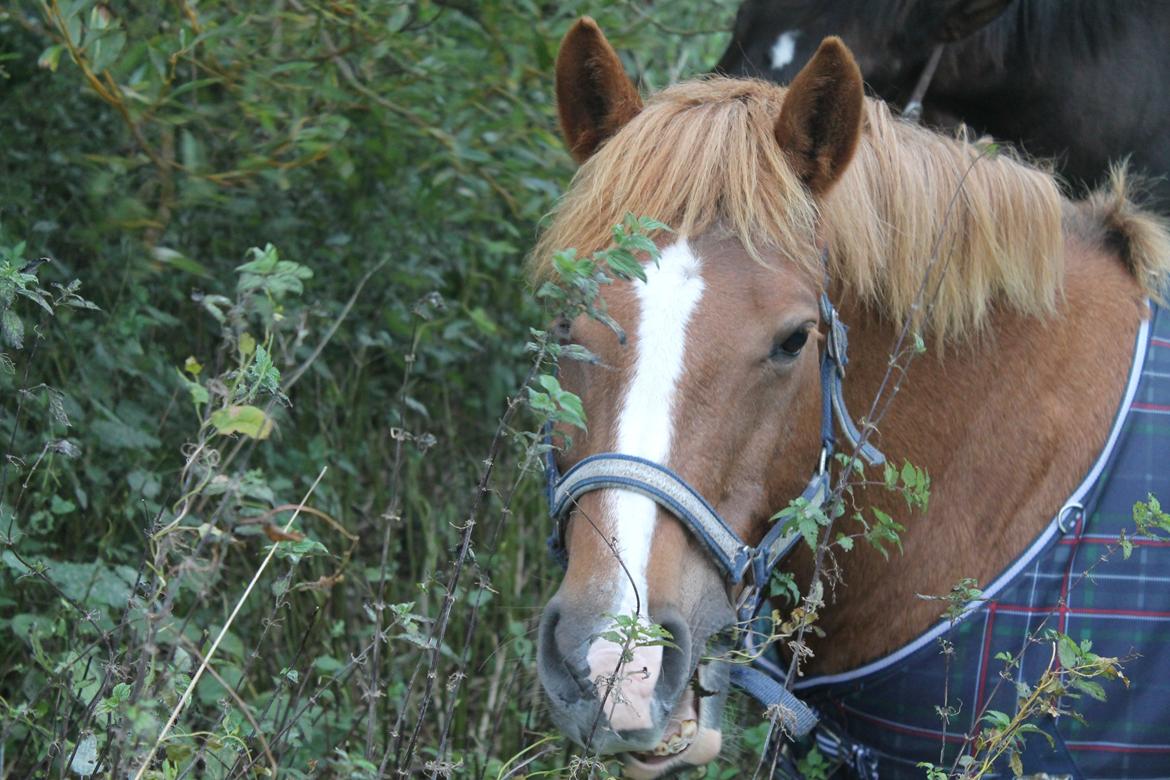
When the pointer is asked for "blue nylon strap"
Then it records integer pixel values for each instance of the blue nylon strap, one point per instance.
(871, 454)
(832, 367)
(832, 395)
(667, 489)
(796, 717)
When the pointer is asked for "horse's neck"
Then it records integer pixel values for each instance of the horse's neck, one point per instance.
(1006, 429)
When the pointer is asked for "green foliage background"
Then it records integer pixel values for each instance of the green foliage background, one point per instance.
(389, 161)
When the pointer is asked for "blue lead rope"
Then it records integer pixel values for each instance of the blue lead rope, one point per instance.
(794, 716)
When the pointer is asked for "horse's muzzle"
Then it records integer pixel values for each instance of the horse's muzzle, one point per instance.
(624, 698)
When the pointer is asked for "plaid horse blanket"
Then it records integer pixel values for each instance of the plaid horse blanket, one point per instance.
(888, 707)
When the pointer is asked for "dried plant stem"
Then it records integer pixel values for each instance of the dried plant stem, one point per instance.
(186, 697)
(483, 489)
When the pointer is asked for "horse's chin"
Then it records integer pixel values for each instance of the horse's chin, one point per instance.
(692, 738)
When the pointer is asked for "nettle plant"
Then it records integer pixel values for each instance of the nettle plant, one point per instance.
(1073, 673)
(576, 291)
(115, 663)
(27, 309)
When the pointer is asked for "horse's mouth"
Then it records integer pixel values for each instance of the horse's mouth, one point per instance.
(686, 741)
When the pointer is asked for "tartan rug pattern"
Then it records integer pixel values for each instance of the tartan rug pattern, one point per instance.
(1123, 608)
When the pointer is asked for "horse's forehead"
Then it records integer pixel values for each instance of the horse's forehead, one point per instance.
(706, 303)
(734, 278)
(733, 287)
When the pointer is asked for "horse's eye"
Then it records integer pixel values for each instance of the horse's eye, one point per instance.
(790, 347)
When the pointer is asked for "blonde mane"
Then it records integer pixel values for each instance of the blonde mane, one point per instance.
(701, 156)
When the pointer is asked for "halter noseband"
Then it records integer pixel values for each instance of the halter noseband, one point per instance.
(739, 562)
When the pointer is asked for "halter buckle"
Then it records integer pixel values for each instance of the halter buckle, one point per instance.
(837, 340)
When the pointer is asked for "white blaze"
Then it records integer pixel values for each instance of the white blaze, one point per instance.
(645, 427)
(784, 49)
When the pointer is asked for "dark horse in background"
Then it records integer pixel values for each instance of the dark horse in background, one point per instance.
(1084, 82)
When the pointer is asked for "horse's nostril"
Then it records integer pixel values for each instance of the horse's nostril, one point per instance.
(676, 661)
(562, 673)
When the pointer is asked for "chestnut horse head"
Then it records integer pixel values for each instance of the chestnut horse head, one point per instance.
(719, 380)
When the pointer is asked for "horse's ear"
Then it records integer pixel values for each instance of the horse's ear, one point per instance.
(820, 120)
(595, 97)
(961, 18)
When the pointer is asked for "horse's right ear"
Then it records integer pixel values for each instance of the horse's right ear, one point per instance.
(820, 119)
(595, 97)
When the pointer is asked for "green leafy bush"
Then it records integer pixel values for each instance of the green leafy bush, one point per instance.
(302, 227)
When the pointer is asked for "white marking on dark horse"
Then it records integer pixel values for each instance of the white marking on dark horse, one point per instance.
(784, 49)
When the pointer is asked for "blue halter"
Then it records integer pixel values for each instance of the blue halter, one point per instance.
(739, 562)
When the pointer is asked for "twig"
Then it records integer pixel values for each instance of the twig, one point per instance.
(235, 696)
(440, 627)
(186, 697)
(303, 367)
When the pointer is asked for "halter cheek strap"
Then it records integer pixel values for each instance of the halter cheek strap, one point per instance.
(739, 562)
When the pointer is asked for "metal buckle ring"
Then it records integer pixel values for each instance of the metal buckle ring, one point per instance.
(1072, 509)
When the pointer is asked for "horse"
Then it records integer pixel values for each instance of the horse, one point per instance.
(782, 199)
(1079, 81)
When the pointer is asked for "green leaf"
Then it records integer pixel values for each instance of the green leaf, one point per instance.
(559, 404)
(105, 50)
(1068, 651)
(85, 758)
(996, 719)
(1017, 766)
(247, 344)
(12, 329)
(251, 421)
(175, 259)
(295, 551)
(783, 585)
(51, 57)
(483, 321)
(1090, 687)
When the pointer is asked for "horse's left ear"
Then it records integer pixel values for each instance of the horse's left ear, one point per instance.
(595, 97)
(820, 121)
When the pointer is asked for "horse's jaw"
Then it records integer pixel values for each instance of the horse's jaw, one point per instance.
(692, 738)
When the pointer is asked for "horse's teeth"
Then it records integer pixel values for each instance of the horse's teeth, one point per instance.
(677, 742)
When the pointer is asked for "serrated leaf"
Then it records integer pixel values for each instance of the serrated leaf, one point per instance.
(12, 329)
(1090, 687)
(1067, 651)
